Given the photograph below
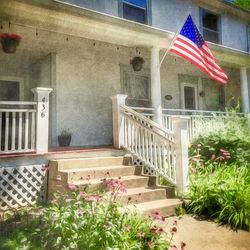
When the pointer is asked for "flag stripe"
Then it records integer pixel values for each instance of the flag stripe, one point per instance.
(200, 65)
(202, 52)
(190, 45)
(199, 57)
(191, 52)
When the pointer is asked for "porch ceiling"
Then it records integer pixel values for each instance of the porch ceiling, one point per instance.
(58, 17)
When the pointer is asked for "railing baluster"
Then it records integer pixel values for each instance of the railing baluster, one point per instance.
(146, 145)
(143, 143)
(1, 114)
(26, 140)
(32, 142)
(20, 131)
(13, 142)
(6, 141)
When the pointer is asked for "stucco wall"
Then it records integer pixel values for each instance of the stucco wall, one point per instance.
(234, 33)
(87, 74)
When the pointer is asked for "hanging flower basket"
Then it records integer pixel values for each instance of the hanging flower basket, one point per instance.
(10, 42)
(137, 63)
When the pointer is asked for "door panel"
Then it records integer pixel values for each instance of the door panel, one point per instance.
(189, 96)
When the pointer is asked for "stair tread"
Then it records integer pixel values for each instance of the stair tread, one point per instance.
(88, 158)
(131, 191)
(95, 168)
(99, 180)
(156, 204)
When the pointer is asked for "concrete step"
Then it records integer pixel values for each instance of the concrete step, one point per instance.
(79, 174)
(166, 207)
(92, 162)
(131, 181)
(10, 160)
(142, 194)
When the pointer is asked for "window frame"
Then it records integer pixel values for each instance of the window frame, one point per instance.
(219, 31)
(248, 38)
(148, 11)
(20, 80)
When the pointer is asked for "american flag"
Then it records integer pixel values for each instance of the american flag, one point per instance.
(190, 45)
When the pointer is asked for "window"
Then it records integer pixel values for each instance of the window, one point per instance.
(248, 37)
(210, 24)
(9, 90)
(135, 10)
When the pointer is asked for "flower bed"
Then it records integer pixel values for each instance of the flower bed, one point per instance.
(78, 220)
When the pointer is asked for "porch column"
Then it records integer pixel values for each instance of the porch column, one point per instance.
(156, 85)
(181, 151)
(41, 96)
(244, 90)
(117, 100)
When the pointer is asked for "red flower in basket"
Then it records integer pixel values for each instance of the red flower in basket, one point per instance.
(10, 42)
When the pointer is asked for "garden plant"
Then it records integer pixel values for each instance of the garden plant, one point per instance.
(220, 175)
(77, 220)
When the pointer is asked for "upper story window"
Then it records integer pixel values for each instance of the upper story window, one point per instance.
(210, 24)
(135, 10)
(248, 37)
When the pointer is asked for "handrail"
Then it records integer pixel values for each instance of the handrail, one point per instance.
(153, 124)
(149, 142)
(17, 110)
(17, 103)
(188, 111)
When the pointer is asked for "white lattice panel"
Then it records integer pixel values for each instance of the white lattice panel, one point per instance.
(21, 186)
(146, 170)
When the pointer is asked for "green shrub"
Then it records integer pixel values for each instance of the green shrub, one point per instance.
(223, 193)
(215, 146)
(90, 222)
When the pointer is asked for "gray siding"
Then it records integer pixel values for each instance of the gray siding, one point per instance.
(106, 6)
(234, 33)
(169, 15)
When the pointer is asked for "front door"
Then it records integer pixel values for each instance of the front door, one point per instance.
(189, 96)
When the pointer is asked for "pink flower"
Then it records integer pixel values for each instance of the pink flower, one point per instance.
(116, 186)
(156, 216)
(82, 194)
(72, 187)
(94, 198)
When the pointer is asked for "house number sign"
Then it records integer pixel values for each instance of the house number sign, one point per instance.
(43, 108)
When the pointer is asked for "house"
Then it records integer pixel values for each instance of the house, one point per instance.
(75, 55)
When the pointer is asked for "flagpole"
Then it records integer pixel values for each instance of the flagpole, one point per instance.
(176, 34)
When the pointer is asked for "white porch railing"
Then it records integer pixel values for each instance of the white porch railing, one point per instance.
(152, 144)
(24, 125)
(17, 127)
(160, 149)
(199, 121)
